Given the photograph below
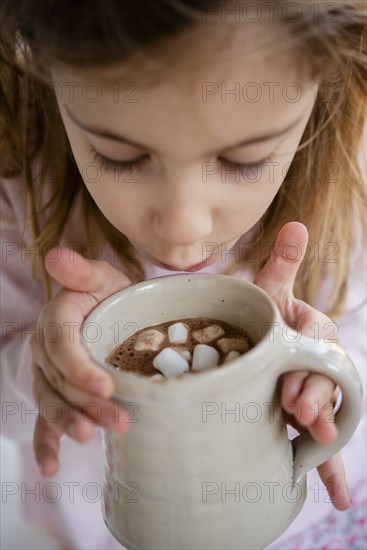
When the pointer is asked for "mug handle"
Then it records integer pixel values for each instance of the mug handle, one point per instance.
(332, 361)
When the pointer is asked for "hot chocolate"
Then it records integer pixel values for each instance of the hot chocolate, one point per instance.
(172, 348)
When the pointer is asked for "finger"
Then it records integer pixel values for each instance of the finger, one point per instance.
(46, 445)
(324, 430)
(316, 392)
(59, 413)
(78, 409)
(74, 272)
(313, 408)
(66, 359)
(332, 474)
(292, 384)
(68, 311)
(279, 273)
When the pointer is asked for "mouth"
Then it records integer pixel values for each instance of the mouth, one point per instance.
(190, 269)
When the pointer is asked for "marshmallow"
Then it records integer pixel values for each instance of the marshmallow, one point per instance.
(185, 353)
(177, 333)
(205, 357)
(229, 344)
(231, 355)
(149, 340)
(170, 363)
(208, 334)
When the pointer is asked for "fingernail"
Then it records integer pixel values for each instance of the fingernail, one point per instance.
(293, 391)
(72, 430)
(99, 386)
(291, 407)
(116, 425)
(121, 428)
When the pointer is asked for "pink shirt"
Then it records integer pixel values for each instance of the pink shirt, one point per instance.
(70, 503)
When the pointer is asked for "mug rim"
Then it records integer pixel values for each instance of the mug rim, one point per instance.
(120, 375)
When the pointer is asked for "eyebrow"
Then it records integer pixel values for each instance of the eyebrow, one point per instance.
(114, 137)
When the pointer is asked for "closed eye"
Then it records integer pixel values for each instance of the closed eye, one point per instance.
(124, 165)
(249, 171)
(240, 165)
(113, 165)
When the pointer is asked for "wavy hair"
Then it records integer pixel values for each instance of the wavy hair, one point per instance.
(324, 187)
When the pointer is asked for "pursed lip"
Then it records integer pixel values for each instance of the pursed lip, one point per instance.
(195, 267)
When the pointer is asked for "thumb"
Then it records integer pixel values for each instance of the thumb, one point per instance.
(74, 272)
(279, 273)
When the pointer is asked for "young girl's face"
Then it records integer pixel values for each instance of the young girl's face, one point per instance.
(186, 173)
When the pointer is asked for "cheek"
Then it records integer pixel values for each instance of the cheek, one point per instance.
(115, 194)
(118, 202)
(265, 184)
(124, 203)
(253, 195)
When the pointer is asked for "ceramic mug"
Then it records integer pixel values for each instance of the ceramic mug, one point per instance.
(207, 462)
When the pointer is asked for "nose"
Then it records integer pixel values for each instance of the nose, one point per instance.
(183, 213)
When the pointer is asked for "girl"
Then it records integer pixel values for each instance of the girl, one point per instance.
(146, 138)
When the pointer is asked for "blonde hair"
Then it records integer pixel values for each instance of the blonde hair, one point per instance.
(323, 188)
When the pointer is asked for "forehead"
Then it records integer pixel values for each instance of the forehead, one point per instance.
(207, 81)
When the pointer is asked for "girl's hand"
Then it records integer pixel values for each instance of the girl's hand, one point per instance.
(72, 392)
(308, 395)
